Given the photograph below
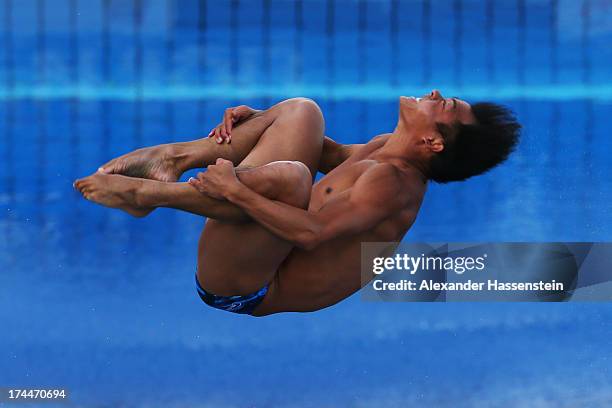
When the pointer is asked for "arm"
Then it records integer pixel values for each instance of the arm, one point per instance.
(334, 154)
(362, 207)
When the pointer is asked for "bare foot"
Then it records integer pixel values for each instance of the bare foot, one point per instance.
(112, 190)
(155, 163)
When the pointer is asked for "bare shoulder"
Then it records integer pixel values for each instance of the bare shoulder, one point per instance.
(380, 139)
(382, 171)
(360, 151)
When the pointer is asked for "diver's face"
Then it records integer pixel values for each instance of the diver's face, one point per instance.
(439, 109)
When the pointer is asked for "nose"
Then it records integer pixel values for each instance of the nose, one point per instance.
(435, 94)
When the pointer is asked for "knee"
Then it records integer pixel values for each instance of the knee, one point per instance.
(304, 105)
(306, 110)
(297, 183)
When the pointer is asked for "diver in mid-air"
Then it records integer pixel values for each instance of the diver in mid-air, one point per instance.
(274, 241)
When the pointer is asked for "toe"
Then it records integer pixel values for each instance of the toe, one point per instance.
(108, 168)
(85, 184)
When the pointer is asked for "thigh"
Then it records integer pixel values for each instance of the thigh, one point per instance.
(240, 258)
(303, 283)
(297, 134)
(290, 130)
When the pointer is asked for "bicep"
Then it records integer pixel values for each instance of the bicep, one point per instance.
(334, 154)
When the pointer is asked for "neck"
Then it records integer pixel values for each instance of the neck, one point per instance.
(402, 149)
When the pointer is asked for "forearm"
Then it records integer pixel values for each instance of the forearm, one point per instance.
(293, 224)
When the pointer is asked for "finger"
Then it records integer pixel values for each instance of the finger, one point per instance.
(227, 120)
(226, 127)
(217, 134)
(223, 133)
(195, 184)
(194, 181)
(200, 177)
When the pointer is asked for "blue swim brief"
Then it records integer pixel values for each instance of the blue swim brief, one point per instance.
(243, 304)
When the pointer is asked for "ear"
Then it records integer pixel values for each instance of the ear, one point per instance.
(438, 145)
(434, 142)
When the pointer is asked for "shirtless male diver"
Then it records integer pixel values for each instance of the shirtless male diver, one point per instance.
(273, 241)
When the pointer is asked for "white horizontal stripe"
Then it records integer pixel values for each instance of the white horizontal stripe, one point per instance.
(561, 92)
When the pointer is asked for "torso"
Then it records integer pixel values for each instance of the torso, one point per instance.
(335, 265)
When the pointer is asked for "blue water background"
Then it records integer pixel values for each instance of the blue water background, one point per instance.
(104, 304)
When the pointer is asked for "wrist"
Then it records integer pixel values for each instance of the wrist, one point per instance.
(234, 191)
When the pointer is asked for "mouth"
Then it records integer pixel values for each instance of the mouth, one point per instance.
(409, 100)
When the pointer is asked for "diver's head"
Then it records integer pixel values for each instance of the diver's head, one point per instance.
(456, 139)
(446, 111)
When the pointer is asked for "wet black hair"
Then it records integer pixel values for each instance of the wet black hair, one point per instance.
(474, 149)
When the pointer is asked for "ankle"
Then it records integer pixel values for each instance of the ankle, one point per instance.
(141, 194)
(182, 156)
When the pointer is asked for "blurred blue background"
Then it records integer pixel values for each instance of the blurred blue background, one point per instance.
(103, 304)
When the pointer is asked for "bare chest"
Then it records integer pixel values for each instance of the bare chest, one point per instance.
(337, 183)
